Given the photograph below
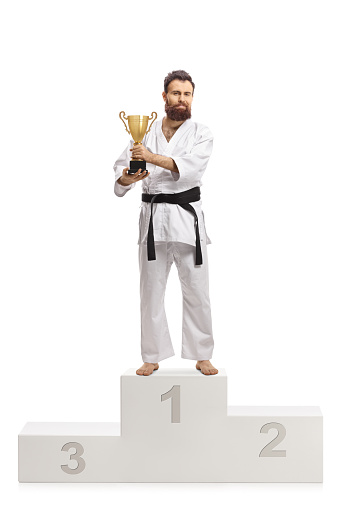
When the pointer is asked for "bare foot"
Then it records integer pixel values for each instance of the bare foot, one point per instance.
(206, 368)
(147, 368)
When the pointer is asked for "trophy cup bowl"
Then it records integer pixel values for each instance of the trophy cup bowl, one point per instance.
(137, 129)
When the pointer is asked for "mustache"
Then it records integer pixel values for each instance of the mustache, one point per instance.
(177, 105)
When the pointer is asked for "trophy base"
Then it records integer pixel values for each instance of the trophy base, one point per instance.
(134, 165)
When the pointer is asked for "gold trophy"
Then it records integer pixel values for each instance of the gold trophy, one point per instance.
(138, 128)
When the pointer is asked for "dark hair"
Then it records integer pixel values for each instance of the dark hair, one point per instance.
(177, 75)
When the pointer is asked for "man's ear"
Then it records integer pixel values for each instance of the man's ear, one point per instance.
(164, 96)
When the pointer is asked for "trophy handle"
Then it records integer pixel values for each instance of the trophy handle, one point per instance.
(124, 115)
(153, 113)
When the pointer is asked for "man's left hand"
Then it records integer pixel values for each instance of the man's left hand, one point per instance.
(140, 152)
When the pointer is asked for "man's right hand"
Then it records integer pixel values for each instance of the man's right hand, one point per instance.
(126, 179)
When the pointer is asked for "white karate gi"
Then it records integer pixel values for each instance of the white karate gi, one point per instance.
(174, 237)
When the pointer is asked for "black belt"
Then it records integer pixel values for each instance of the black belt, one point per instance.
(183, 199)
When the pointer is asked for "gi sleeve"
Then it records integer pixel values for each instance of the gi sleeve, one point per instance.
(194, 163)
(121, 163)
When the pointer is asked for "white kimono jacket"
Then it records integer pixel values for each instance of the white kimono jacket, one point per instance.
(190, 147)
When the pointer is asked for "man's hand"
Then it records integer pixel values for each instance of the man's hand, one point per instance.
(141, 152)
(126, 179)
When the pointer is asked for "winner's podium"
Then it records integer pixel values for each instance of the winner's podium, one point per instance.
(176, 426)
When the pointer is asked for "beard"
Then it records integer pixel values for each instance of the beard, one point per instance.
(178, 114)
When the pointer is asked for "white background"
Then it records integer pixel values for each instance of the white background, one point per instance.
(266, 75)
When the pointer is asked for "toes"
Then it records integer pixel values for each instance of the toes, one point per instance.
(147, 371)
(209, 371)
(141, 371)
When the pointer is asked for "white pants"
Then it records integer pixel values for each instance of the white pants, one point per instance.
(197, 337)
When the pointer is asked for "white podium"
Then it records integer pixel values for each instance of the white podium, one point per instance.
(176, 427)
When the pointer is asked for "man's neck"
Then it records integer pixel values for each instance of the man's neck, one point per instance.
(167, 123)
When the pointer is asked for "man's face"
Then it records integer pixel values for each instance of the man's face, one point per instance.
(178, 100)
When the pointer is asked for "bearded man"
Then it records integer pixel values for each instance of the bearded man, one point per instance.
(172, 227)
